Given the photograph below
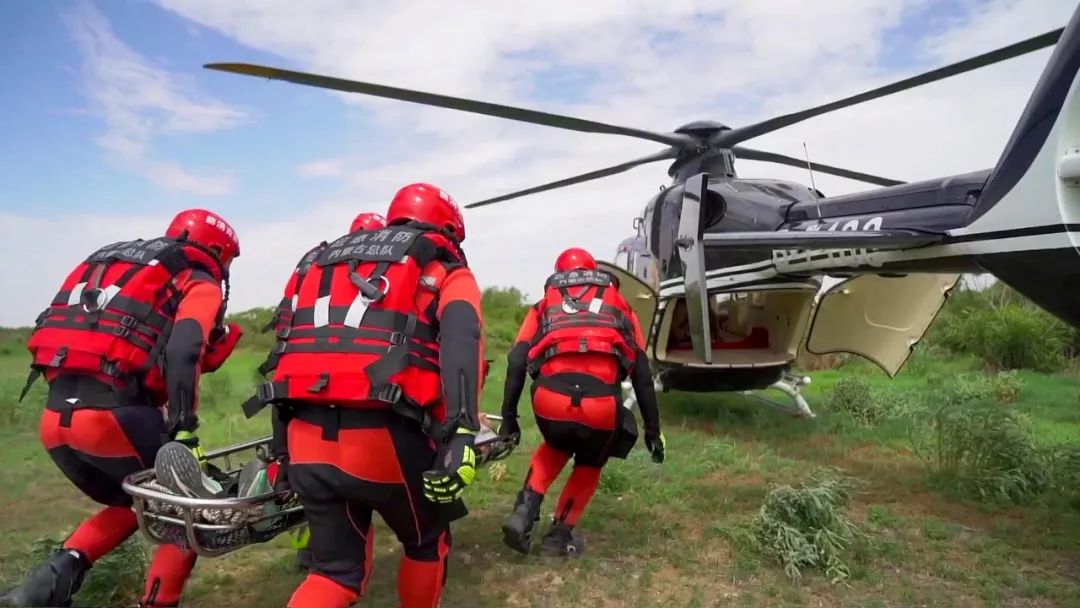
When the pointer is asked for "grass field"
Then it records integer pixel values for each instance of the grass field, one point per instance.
(671, 535)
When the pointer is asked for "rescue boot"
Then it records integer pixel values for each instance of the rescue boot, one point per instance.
(52, 583)
(517, 529)
(561, 541)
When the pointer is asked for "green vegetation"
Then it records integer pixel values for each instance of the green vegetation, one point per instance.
(969, 491)
(1005, 331)
(118, 577)
(807, 528)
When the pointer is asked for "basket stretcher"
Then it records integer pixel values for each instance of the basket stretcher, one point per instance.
(212, 527)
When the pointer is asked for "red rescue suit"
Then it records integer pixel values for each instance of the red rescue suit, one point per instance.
(382, 347)
(579, 343)
(126, 334)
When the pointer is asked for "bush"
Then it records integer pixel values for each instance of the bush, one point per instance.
(807, 528)
(984, 451)
(1007, 386)
(865, 403)
(504, 310)
(855, 397)
(1003, 329)
(1065, 466)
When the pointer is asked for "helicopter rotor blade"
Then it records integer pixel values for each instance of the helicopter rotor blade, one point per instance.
(668, 154)
(741, 134)
(454, 103)
(772, 157)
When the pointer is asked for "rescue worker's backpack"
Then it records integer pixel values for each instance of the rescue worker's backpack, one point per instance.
(352, 334)
(582, 312)
(115, 311)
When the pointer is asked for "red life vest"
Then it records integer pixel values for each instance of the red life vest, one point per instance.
(282, 318)
(355, 335)
(114, 312)
(582, 312)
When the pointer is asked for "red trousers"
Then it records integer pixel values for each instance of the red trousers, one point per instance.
(344, 469)
(96, 445)
(584, 429)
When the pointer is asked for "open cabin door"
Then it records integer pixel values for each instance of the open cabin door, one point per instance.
(638, 295)
(878, 318)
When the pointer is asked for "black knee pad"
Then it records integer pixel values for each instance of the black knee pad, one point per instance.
(347, 574)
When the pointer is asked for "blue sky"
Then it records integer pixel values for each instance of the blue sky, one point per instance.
(52, 124)
(111, 125)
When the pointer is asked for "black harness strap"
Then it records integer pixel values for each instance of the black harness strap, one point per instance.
(578, 386)
(265, 393)
(331, 418)
(36, 370)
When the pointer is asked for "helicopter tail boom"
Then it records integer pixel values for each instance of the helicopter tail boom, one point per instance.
(868, 239)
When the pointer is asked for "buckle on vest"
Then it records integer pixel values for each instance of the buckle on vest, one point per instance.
(128, 321)
(91, 300)
(110, 368)
(278, 348)
(388, 393)
(284, 332)
(58, 358)
(583, 345)
(265, 392)
(397, 338)
(121, 331)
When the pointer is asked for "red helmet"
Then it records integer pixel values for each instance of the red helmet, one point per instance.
(575, 258)
(427, 204)
(368, 221)
(206, 228)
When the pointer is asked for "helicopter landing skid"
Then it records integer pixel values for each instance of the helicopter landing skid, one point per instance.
(789, 385)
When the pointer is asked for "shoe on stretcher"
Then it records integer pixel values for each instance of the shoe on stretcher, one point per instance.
(178, 469)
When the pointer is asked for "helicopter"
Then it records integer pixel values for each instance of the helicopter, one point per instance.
(726, 273)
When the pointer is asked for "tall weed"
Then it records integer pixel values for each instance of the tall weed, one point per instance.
(982, 450)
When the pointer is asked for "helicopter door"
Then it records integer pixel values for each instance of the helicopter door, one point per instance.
(639, 295)
(879, 318)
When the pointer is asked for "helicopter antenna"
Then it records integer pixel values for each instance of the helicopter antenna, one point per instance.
(808, 167)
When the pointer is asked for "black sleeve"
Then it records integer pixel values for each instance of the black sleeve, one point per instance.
(279, 424)
(516, 364)
(641, 379)
(182, 354)
(459, 362)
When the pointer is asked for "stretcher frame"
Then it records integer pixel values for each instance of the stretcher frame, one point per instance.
(217, 539)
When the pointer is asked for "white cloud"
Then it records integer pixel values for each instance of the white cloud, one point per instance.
(647, 64)
(140, 102)
(326, 167)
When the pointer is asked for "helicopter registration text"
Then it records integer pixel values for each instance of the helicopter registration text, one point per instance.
(790, 260)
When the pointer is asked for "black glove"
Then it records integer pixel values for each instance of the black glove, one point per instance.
(455, 468)
(180, 422)
(655, 442)
(281, 482)
(510, 429)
